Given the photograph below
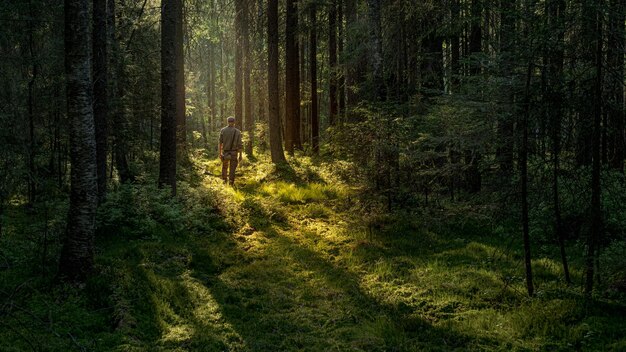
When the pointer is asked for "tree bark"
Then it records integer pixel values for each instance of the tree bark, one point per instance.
(332, 61)
(341, 71)
(169, 95)
(78, 248)
(615, 82)
(555, 10)
(596, 231)
(238, 61)
(181, 118)
(472, 174)
(349, 67)
(506, 124)
(315, 125)
(585, 128)
(292, 80)
(100, 91)
(117, 99)
(32, 144)
(475, 40)
(249, 116)
(524, 181)
(276, 146)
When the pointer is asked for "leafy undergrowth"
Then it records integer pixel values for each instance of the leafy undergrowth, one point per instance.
(295, 259)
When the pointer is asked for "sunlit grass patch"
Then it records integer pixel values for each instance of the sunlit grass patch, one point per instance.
(290, 193)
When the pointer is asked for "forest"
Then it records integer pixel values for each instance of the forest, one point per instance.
(401, 175)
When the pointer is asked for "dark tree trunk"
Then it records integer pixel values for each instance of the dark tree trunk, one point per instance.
(76, 260)
(524, 180)
(376, 43)
(315, 125)
(585, 129)
(596, 230)
(169, 95)
(555, 10)
(117, 99)
(292, 79)
(32, 144)
(332, 61)
(181, 118)
(341, 72)
(349, 67)
(100, 91)
(276, 146)
(476, 33)
(238, 61)
(249, 116)
(506, 129)
(615, 82)
(455, 46)
(472, 174)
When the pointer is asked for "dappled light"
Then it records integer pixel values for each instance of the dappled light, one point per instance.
(303, 175)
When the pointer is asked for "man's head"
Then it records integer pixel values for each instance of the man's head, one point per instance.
(231, 121)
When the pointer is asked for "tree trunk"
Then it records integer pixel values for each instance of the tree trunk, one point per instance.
(315, 125)
(524, 181)
(506, 125)
(349, 67)
(341, 71)
(238, 61)
(276, 146)
(213, 90)
(455, 46)
(100, 91)
(249, 116)
(585, 128)
(32, 144)
(615, 101)
(181, 118)
(472, 174)
(292, 79)
(555, 9)
(169, 95)
(475, 40)
(117, 98)
(78, 248)
(332, 61)
(376, 43)
(596, 205)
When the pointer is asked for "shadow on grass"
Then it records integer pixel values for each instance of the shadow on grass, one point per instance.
(297, 299)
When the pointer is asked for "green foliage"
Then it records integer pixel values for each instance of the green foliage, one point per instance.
(290, 265)
(140, 211)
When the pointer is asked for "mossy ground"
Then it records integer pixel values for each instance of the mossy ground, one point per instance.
(293, 259)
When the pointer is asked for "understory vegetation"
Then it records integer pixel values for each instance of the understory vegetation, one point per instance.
(294, 258)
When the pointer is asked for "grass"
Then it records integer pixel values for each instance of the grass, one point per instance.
(289, 260)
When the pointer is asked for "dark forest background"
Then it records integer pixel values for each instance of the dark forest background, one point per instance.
(502, 119)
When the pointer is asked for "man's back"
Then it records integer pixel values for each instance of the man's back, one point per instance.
(230, 137)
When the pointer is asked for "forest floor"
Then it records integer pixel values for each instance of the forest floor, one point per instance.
(295, 259)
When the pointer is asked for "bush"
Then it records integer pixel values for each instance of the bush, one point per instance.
(139, 211)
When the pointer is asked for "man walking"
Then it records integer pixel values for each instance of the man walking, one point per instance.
(230, 148)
